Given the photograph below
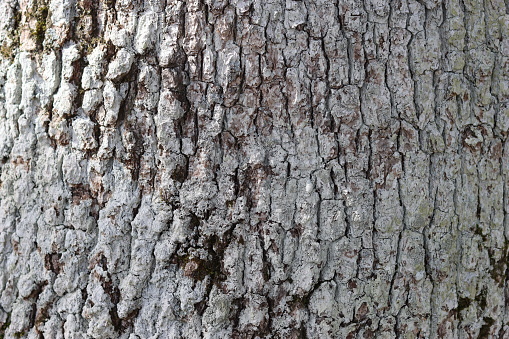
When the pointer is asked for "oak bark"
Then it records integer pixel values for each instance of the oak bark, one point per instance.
(254, 169)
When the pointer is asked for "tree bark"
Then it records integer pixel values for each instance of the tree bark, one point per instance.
(254, 169)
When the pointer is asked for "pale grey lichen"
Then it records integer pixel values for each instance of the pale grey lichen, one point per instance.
(270, 169)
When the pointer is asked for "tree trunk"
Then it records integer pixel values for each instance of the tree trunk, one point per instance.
(254, 169)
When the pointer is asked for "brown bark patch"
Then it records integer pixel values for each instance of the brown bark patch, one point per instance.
(52, 262)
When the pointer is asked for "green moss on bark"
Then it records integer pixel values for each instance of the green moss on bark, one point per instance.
(39, 32)
(5, 326)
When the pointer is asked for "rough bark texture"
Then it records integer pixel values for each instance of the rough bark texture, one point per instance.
(254, 169)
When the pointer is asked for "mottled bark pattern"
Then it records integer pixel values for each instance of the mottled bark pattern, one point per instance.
(254, 169)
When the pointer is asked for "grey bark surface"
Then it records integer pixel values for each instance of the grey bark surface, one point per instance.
(254, 169)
